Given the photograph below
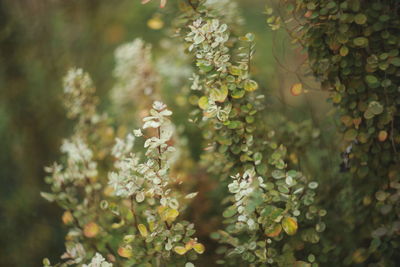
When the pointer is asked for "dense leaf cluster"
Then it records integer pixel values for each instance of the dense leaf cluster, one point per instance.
(353, 49)
(271, 218)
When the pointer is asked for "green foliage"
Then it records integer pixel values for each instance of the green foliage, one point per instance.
(269, 190)
(353, 49)
(266, 196)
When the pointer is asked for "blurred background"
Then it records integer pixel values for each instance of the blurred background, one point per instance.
(39, 41)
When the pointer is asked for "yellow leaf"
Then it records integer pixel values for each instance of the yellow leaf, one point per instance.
(344, 51)
(67, 217)
(91, 229)
(171, 215)
(203, 102)
(129, 238)
(108, 191)
(143, 230)
(275, 231)
(382, 136)
(360, 255)
(152, 226)
(155, 23)
(125, 252)
(289, 225)
(296, 89)
(199, 248)
(180, 250)
(219, 95)
(161, 209)
(293, 157)
(346, 120)
(250, 85)
(189, 245)
(234, 70)
(118, 225)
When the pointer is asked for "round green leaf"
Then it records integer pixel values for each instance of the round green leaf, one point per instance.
(350, 135)
(360, 41)
(360, 19)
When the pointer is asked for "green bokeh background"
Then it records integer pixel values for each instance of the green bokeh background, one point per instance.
(39, 41)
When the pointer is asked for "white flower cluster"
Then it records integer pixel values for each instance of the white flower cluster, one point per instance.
(78, 91)
(80, 164)
(151, 177)
(209, 39)
(98, 261)
(243, 187)
(133, 72)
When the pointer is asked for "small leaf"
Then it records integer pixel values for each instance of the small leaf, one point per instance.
(203, 102)
(395, 61)
(375, 107)
(155, 23)
(277, 174)
(234, 70)
(250, 85)
(350, 135)
(199, 248)
(344, 51)
(171, 215)
(191, 195)
(229, 212)
(360, 41)
(129, 238)
(289, 225)
(313, 185)
(198, 38)
(360, 19)
(296, 89)
(371, 79)
(91, 229)
(275, 231)
(125, 252)
(143, 230)
(67, 217)
(180, 250)
(219, 95)
(237, 93)
(382, 136)
(48, 196)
